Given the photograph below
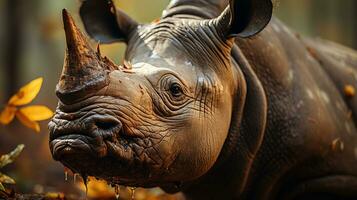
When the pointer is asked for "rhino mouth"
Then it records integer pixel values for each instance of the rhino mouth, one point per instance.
(107, 153)
(70, 145)
(67, 138)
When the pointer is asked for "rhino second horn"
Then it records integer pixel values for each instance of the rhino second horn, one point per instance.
(82, 73)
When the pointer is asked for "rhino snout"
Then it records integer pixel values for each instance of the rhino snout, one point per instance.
(88, 136)
(107, 127)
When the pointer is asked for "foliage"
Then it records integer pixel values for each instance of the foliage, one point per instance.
(29, 115)
(5, 160)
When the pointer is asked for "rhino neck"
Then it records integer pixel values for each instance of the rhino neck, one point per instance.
(201, 9)
(230, 175)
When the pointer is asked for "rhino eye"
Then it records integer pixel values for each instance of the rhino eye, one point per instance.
(176, 90)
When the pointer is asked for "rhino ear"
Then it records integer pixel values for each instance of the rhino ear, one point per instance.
(245, 18)
(104, 23)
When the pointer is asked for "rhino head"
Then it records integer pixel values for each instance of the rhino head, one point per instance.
(163, 117)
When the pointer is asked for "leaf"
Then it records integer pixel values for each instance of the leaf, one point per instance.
(6, 179)
(7, 115)
(27, 122)
(27, 93)
(37, 113)
(7, 159)
(10, 157)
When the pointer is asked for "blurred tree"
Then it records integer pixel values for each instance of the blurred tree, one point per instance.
(354, 19)
(328, 19)
(14, 29)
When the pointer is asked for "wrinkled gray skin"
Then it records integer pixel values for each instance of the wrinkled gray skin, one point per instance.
(207, 106)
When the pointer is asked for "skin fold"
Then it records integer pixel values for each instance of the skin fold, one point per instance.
(217, 100)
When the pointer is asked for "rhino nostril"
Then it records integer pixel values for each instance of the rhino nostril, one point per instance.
(106, 125)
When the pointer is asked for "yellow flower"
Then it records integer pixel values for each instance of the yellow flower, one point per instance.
(27, 93)
(29, 115)
(8, 114)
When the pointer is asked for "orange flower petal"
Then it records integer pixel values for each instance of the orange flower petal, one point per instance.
(27, 122)
(27, 93)
(37, 113)
(7, 115)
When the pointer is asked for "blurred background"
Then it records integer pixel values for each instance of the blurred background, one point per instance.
(32, 45)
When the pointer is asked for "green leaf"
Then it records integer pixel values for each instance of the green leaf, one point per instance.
(2, 187)
(6, 179)
(10, 157)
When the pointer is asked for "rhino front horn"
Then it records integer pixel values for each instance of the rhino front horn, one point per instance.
(83, 73)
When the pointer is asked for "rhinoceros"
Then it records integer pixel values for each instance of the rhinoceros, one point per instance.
(217, 99)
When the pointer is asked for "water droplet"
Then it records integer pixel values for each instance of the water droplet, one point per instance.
(65, 175)
(132, 193)
(85, 181)
(85, 184)
(75, 177)
(117, 191)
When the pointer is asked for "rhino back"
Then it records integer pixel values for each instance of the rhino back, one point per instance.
(309, 131)
(340, 63)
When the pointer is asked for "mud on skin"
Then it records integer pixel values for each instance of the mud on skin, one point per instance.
(217, 95)
(106, 138)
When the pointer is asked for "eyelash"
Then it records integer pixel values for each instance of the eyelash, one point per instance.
(166, 84)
